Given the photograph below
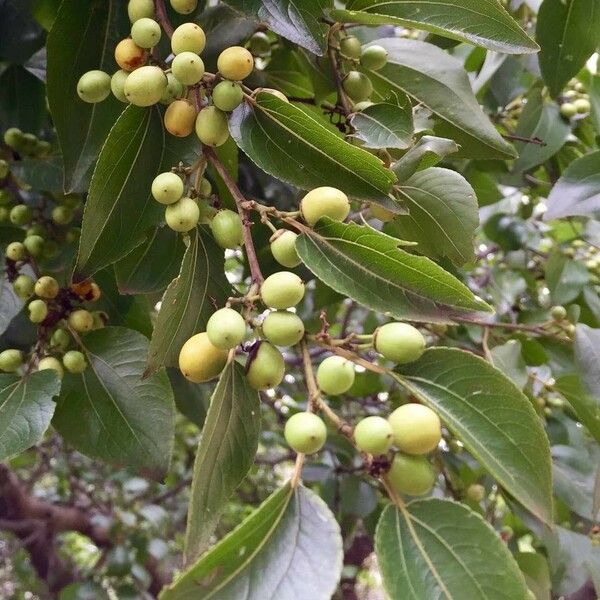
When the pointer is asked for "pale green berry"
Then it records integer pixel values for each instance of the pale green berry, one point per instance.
(23, 286)
(227, 95)
(350, 47)
(21, 214)
(46, 287)
(212, 127)
(559, 313)
(399, 342)
(227, 229)
(34, 245)
(335, 375)
(373, 435)
(582, 106)
(282, 290)
(117, 85)
(139, 9)
(476, 492)
(358, 86)
(324, 202)
(235, 63)
(13, 137)
(184, 7)
(283, 248)
(74, 361)
(568, 110)
(417, 429)
(93, 86)
(265, 367)
(60, 339)
(167, 188)
(188, 68)
(305, 433)
(145, 32)
(38, 311)
(412, 475)
(81, 320)
(226, 328)
(174, 90)
(188, 37)
(15, 251)
(283, 328)
(183, 215)
(145, 86)
(49, 362)
(62, 215)
(10, 360)
(374, 57)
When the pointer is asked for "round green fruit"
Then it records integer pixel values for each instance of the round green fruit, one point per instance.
(399, 342)
(260, 44)
(49, 362)
(15, 251)
(417, 429)
(235, 63)
(568, 110)
(188, 37)
(282, 290)
(476, 492)
(227, 95)
(324, 202)
(23, 286)
(373, 435)
(74, 361)
(183, 215)
(10, 360)
(180, 118)
(145, 32)
(145, 86)
(38, 311)
(283, 328)
(20, 214)
(559, 313)
(184, 7)
(46, 287)
(199, 360)
(350, 47)
(117, 85)
(374, 57)
(226, 329)
(358, 86)
(81, 320)
(188, 68)
(93, 86)
(335, 375)
(305, 433)
(140, 9)
(283, 248)
(60, 339)
(265, 367)
(212, 127)
(412, 475)
(227, 229)
(174, 90)
(13, 137)
(4, 169)
(582, 106)
(34, 245)
(167, 188)
(62, 215)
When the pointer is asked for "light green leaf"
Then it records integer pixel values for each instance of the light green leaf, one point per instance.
(491, 416)
(384, 125)
(565, 278)
(427, 152)
(508, 359)
(535, 569)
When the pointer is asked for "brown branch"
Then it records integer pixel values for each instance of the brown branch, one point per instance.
(163, 18)
(519, 138)
(342, 97)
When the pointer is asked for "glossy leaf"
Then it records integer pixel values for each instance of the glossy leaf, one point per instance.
(384, 125)
(189, 300)
(290, 144)
(26, 409)
(368, 266)
(109, 412)
(289, 547)
(225, 454)
(427, 152)
(441, 549)
(191, 399)
(481, 22)
(585, 405)
(491, 416)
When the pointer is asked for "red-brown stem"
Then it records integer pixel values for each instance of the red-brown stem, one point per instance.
(162, 17)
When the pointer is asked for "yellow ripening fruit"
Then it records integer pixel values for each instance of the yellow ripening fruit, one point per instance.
(235, 63)
(139, 9)
(324, 202)
(129, 55)
(199, 360)
(49, 362)
(145, 86)
(417, 429)
(180, 118)
(188, 37)
(184, 7)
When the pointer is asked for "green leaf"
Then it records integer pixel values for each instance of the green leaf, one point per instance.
(10, 303)
(441, 549)
(443, 214)
(577, 192)
(384, 125)
(290, 144)
(83, 37)
(22, 100)
(120, 208)
(427, 152)
(189, 301)
(151, 266)
(26, 409)
(20, 34)
(585, 405)
(534, 567)
(484, 23)
(368, 266)
(565, 278)
(492, 417)
(191, 399)
(568, 34)
(438, 81)
(109, 412)
(225, 454)
(508, 359)
(40, 173)
(290, 545)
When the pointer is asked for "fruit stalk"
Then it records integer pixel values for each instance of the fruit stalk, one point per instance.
(162, 17)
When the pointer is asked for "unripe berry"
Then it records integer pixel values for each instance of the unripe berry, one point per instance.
(227, 95)
(568, 110)
(335, 375)
(227, 229)
(417, 429)
(4, 169)
(23, 286)
(399, 342)
(374, 57)
(212, 127)
(38, 311)
(411, 475)
(476, 492)
(283, 248)
(384, 215)
(180, 118)
(81, 320)
(188, 68)
(350, 46)
(20, 214)
(183, 215)
(207, 212)
(93, 86)
(358, 86)
(42, 148)
(129, 55)
(117, 85)
(226, 329)
(13, 137)
(559, 313)
(34, 245)
(62, 215)
(283, 328)
(184, 7)
(373, 435)
(324, 202)
(174, 90)
(582, 106)
(265, 367)
(282, 290)
(10, 360)
(139, 9)
(46, 287)
(49, 362)
(74, 361)
(146, 32)
(205, 188)
(145, 86)
(60, 339)
(199, 360)
(260, 44)
(167, 188)
(188, 37)
(15, 251)
(305, 433)
(235, 63)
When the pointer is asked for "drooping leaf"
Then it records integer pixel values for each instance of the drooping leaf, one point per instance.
(568, 34)
(189, 300)
(441, 549)
(289, 547)
(483, 23)
(509, 359)
(26, 409)
(586, 406)
(427, 152)
(384, 125)
(368, 266)
(191, 399)
(290, 144)
(92, 30)
(439, 82)
(492, 417)
(10, 303)
(225, 454)
(109, 412)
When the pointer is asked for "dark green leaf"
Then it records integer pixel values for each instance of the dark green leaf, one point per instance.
(26, 409)
(109, 412)
(189, 300)
(191, 399)
(22, 100)
(10, 303)
(441, 549)
(368, 266)
(290, 545)
(427, 152)
(384, 125)
(586, 406)
(225, 454)
(534, 567)
(41, 174)
(492, 417)
(20, 34)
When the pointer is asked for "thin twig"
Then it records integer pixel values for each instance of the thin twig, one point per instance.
(162, 17)
(342, 97)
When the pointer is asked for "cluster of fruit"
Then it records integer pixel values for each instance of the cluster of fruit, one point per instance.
(575, 101)
(26, 144)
